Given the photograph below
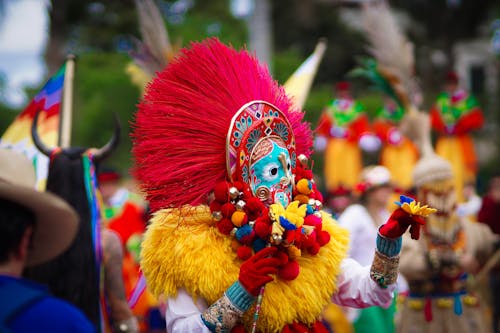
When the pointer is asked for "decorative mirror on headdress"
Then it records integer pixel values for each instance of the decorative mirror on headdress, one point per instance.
(260, 151)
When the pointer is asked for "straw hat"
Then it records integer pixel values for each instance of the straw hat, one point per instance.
(56, 222)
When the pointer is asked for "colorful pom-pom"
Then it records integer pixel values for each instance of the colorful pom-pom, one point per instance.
(293, 252)
(221, 192)
(258, 244)
(244, 252)
(313, 249)
(245, 230)
(313, 220)
(262, 229)
(215, 206)
(225, 226)
(289, 271)
(241, 186)
(302, 198)
(227, 210)
(304, 186)
(254, 205)
(323, 238)
(239, 218)
(282, 257)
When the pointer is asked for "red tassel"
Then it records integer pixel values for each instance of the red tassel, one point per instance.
(428, 309)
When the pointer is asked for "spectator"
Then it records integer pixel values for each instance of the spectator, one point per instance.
(34, 227)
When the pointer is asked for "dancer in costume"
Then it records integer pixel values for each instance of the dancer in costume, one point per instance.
(454, 116)
(398, 153)
(344, 128)
(221, 154)
(450, 250)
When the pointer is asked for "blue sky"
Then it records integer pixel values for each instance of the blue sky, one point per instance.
(23, 33)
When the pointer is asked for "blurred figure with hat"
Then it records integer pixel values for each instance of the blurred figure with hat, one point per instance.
(338, 200)
(454, 116)
(343, 129)
(34, 228)
(363, 219)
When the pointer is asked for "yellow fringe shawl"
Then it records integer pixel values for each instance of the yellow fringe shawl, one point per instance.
(183, 248)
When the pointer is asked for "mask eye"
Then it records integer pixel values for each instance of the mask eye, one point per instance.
(270, 172)
(288, 166)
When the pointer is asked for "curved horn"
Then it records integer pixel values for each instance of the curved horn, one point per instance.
(108, 148)
(36, 139)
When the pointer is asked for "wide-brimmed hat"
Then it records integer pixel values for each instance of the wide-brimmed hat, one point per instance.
(56, 222)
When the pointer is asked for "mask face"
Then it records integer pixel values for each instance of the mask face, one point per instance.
(271, 174)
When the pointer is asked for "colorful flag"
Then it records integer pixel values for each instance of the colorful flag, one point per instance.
(298, 85)
(18, 134)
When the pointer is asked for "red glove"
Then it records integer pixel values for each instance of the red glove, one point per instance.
(255, 271)
(399, 221)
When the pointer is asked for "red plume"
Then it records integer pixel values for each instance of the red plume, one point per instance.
(181, 126)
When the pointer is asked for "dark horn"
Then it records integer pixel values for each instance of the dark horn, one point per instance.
(109, 147)
(36, 139)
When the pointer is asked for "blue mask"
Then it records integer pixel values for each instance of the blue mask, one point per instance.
(271, 176)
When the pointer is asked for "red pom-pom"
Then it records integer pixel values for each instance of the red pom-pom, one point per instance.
(323, 238)
(313, 248)
(244, 252)
(254, 205)
(312, 220)
(221, 192)
(282, 257)
(227, 210)
(225, 226)
(238, 329)
(307, 174)
(289, 271)
(215, 206)
(241, 186)
(262, 229)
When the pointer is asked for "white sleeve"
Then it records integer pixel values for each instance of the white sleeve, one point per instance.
(183, 315)
(356, 289)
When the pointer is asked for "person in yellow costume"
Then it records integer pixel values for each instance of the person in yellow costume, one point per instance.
(238, 241)
(342, 132)
(454, 116)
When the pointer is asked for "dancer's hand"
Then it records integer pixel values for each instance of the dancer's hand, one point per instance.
(256, 271)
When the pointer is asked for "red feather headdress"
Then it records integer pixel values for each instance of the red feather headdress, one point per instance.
(182, 124)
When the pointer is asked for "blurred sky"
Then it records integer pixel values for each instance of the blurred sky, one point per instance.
(23, 33)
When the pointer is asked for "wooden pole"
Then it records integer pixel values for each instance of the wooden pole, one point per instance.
(67, 103)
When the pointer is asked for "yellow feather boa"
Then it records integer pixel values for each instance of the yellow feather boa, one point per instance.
(183, 248)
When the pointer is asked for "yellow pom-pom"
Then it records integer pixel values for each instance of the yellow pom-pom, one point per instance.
(304, 187)
(293, 252)
(238, 218)
(302, 198)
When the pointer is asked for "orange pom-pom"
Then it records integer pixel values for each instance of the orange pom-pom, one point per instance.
(244, 252)
(221, 192)
(289, 271)
(304, 186)
(239, 218)
(227, 210)
(235, 245)
(302, 198)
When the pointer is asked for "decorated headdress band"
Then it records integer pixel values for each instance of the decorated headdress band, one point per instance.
(253, 122)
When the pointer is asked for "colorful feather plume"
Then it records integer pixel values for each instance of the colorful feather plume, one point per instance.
(154, 52)
(393, 54)
(181, 125)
